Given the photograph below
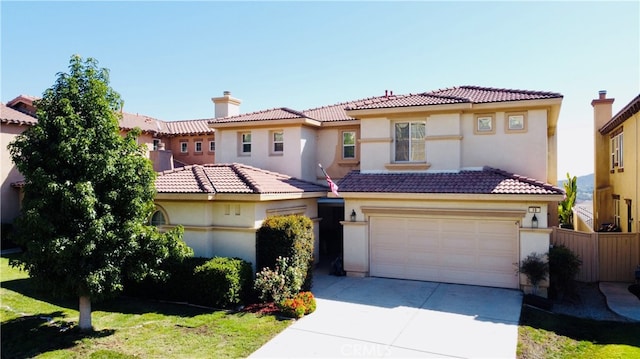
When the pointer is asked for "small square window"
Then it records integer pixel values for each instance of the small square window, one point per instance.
(516, 122)
(484, 125)
(184, 147)
(156, 144)
(212, 146)
(199, 146)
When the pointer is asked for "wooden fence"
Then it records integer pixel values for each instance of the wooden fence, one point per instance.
(606, 256)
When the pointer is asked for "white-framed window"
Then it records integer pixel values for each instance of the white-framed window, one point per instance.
(245, 143)
(156, 144)
(616, 211)
(198, 146)
(349, 144)
(617, 151)
(212, 146)
(184, 147)
(409, 141)
(158, 218)
(277, 142)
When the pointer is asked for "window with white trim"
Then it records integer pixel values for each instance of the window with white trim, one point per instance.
(277, 142)
(617, 153)
(184, 147)
(410, 141)
(348, 144)
(212, 146)
(198, 146)
(245, 143)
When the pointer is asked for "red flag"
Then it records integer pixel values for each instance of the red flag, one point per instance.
(333, 186)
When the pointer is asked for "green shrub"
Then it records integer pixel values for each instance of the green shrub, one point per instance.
(224, 282)
(535, 268)
(289, 237)
(280, 283)
(180, 286)
(563, 268)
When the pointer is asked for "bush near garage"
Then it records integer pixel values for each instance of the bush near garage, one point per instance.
(288, 237)
(563, 268)
(300, 305)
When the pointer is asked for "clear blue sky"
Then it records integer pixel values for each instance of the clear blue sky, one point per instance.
(167, 59)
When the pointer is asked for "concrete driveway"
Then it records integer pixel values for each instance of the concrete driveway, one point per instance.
(378, 317)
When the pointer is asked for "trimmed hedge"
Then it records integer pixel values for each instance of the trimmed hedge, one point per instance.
(225, 281)
(219, 282)
(289, 237)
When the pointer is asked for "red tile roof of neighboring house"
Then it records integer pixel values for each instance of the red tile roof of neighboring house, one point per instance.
(281, 113)
(461, 94)
(231, 178)
(189, 127)
(486, 181)
(629, 110)
(11, 116)
(130, 121)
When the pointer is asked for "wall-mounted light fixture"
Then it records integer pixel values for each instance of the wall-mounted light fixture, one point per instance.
(353, 215)
(534, 221)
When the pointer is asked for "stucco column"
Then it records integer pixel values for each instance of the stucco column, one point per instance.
(356, 248)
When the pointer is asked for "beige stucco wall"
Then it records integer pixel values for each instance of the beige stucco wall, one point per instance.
(329, 143)
(523, 153)
(451, 143)
(299, 148)
(228, 228)
(9, 196)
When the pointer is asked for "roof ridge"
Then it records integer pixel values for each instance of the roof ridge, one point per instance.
(525, 179)
(353, 101)
(251, 113)
(203, 180)
(237, 169)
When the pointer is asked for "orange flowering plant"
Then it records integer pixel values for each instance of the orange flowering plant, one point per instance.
(296, 307)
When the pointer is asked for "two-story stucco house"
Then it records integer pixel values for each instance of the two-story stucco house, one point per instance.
(452, 185)
(617, 162)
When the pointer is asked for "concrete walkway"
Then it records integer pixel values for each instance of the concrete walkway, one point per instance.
(620, 300)
(377, 317)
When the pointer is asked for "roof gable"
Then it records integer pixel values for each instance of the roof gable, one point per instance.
(11, 116)
(629, 110)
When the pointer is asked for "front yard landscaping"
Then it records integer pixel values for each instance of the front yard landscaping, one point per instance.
(547, 335)
(37, 325)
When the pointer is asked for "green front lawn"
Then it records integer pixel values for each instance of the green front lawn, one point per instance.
(547, 335)
(36, 325)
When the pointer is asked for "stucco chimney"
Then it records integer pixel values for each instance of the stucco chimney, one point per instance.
(601, 109)
(602, 113)
(226, 105)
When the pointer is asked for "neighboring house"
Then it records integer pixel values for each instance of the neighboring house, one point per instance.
(414, 170)
(221, 206)
(170, 144)
(617, 162)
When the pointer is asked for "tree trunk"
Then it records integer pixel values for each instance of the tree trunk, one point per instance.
(85, 314)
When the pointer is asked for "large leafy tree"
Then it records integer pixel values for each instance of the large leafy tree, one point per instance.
(88, 194)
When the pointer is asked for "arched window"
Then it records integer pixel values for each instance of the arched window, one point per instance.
(158, 219)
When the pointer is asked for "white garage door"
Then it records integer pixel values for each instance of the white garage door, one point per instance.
(451, 250)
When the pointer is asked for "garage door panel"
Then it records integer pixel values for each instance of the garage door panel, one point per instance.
(479, 252)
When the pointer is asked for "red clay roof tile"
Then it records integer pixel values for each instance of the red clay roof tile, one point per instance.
(231, 178)
(486, 181)
(11, 116)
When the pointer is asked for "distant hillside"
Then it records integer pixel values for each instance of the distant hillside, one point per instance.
(585, 187)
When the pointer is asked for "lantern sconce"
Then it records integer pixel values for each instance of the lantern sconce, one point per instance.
(534, 219)
(353, 215)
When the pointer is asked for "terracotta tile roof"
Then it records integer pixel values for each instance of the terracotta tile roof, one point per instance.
(281, 113)
(189, 127)
(461, 94)
(130, 121)
(231, 178)
(11, 116)
(629, 110)
(486, 181)
(337, 112)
